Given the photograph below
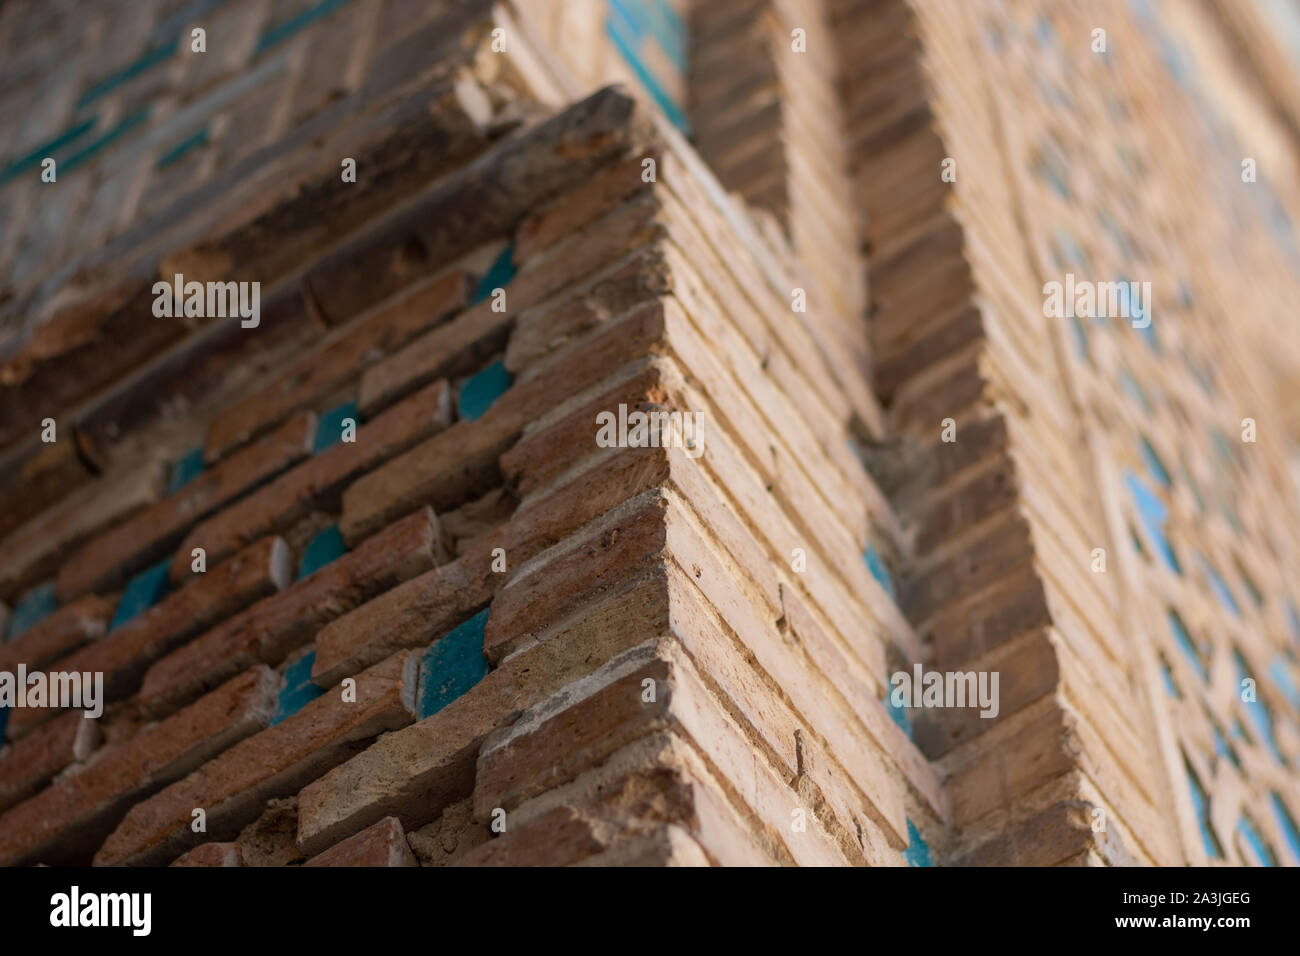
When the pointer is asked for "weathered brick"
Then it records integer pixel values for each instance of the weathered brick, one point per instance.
(67, 820)
(124, 655)
(454, 348)
(31, 762)
(68, 628)
(420, 770)
(271, 628)
(318, 482)
(108, 559)
(233, 787)
(531, 603)
(211, 854)
(449, 468)
(37, 548)
(381, 844)
(338, 359)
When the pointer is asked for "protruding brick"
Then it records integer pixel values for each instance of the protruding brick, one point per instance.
(234, 787)
(382, 844)
(31, 762)
(68, 628)
(271, 628)
(211, 854)
(108, 559)
(318, 482)
(67, 820)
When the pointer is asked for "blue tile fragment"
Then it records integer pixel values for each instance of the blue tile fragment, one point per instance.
(1187, 645)
(1257, 710)
(1281, 674)
(918, 851)
(48, 148)
(1153, 515)
(184, 470)
(618, 35)
(879, 570)
(150, 58)
(480, 391)
(298, 690)
(1259, 850)
(330, 430)
(498, 275)
(1170, 687)
(327, 546)
(90, 150)
(182, 148)
(1219, 587)
(898, 714)
(1286, 823)
(1155, 467)
(142, 592)
(452, 665)
(284, 30)
(1202, 807)
(31, 607)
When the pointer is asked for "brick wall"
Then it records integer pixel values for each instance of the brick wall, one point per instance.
(369, 585)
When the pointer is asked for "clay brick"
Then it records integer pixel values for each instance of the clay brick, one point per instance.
(50, 472)
(36, 549)
(124, 655)
(108, 559)
(577, 208)
(456, 347)
(68, 628)
(606, 711)
(1046, 748)
(422, 769)
(31, 762)
(338, 359)
(994, 553)
(449, 468)
(551, 325)
(277, 625)
(531, 603)
(211, 854)
(234, 786)
(410, 615)
(68, 820)
(626, 797)
(552, 447)
(318, 482)
(382, 844)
